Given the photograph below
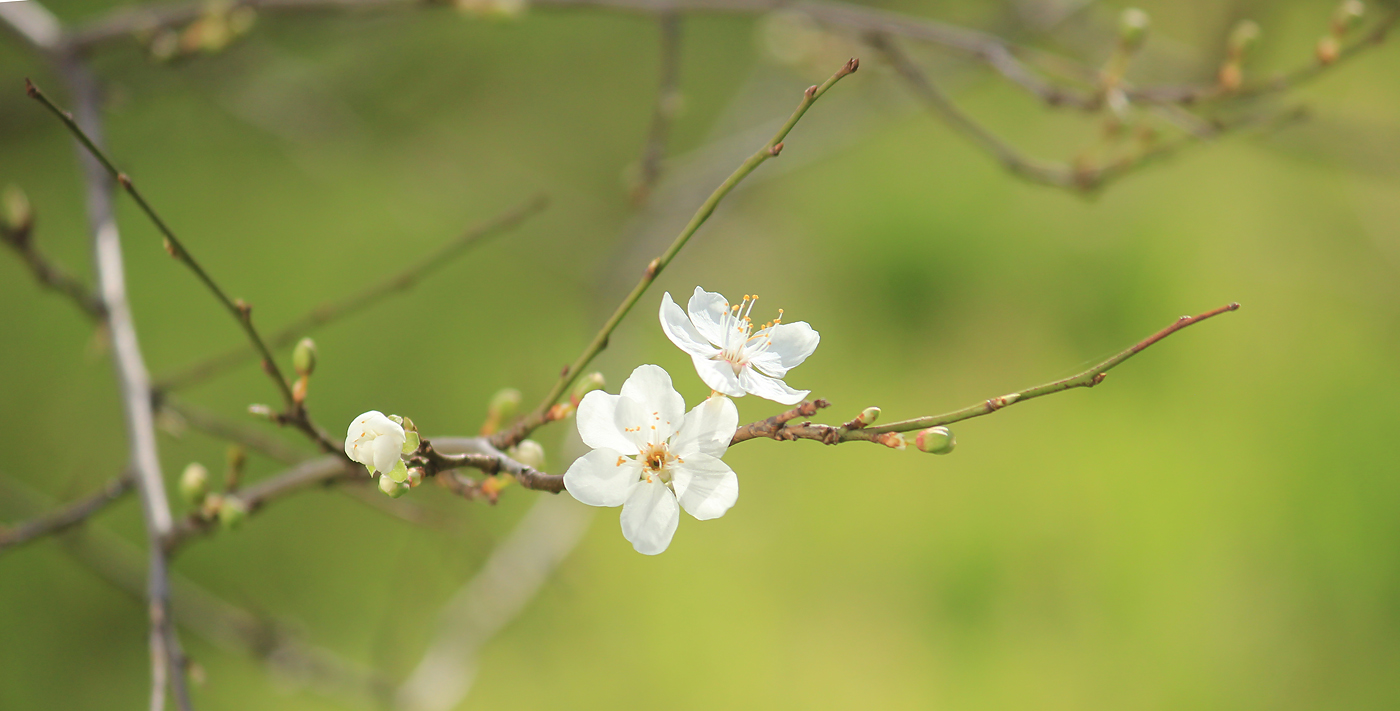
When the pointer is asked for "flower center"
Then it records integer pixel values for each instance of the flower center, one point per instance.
(656, 462)
(741, 344)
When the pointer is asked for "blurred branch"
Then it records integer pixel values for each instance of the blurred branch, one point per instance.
(295, 414)
(779, 427)
(543, 413)
(167, 659)
(51, 275)
(67, 516)
(333, 310)
(216, 425)
(665, 108)
(222, 623)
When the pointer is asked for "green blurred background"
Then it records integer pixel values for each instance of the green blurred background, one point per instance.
(1214, 528)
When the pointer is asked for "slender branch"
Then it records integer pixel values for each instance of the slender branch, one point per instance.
(52, 276)
(242, 313)
(167, 659)
(353, 303)
(216, 425)
(780, 427)
(667, 103)
(67, 516)
(772, 148)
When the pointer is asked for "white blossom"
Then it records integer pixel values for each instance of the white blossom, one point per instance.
(376, 442)
(729, 355)
(649, 455)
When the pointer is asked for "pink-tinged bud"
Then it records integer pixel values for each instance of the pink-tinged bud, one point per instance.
(935, 440)
(1328, 50)
(415, 476)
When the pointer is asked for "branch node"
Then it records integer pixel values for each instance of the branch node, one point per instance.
(811, 91)
(125, 180)
(31, 90)
(776, 149)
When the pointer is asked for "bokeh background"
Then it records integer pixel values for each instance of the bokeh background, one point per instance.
(1215, 527)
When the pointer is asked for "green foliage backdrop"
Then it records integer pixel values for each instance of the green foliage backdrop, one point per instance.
(1215, 527)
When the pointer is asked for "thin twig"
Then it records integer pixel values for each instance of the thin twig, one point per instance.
(216, 425)
(296, 414)
(772, 148)
(52, 276)
(887, 434)
(352, 303)
(66, 517)
(664, 110)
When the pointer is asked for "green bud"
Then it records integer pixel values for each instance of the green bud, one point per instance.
(393, 489)
(530, 453)
(194, 483)
(935, 440)
(304, 357)
(587, 384)
(16, 215)
(1243, 38)
(868, 416)
(232, 511)
(504, 405)
(1132, 28)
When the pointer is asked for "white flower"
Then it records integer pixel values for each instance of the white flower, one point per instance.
(376, 442)
(729, 357)
(648, 454)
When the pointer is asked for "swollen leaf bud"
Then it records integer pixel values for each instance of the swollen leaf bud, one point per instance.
(304, 357)
(1132, 28)
(415, 476)
(1347, 16)
(587, 384)
(1328, 50)
(935, 440)
(392, 489)
(528, 452)
(504, 404)
(194, 483)
(232, 511)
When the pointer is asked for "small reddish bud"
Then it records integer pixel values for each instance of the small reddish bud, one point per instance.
(299, 390)
(776, 149)
(811, 91)
(1328, 51)
(30, 89)
(170, 248)
(124, 180)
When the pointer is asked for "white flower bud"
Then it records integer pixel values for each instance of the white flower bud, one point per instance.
(376, 442)
(530, 453)
(392, 489)
(194, 483)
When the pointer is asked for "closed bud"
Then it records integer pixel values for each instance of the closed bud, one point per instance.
(232, 511)
(935, 440)
(1132, 28)
(392, 489)
(866, 418)
(304, 357)
(1231, 76)
(587, 384)
(504, 404)
(1347, 16)
(415, 476)
(16, 216)
(528, 452)
(237, 457)
(1328, 50)
(194, 483)
(262, 411)
(1243, 38)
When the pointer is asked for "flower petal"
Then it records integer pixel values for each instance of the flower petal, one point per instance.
(707, 311)
(770, 388)
(386, 452)
(719, 375)
(598, 422)
(705, 486)
(681, 331)
(649, 517)
(663, 408)
(602, 477)
(792, 343)
(707, 429)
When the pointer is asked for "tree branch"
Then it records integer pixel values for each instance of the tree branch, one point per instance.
(51, 275)
(665, 107)
(352, 303)
(67, 516)
(780, 428)
(772, 148)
